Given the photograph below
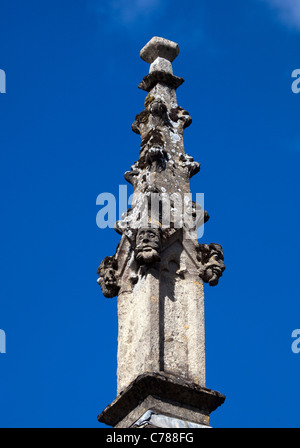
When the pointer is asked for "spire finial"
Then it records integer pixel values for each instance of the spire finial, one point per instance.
(158, 47)
(160, 53)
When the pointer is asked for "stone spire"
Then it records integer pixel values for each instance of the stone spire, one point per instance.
(159, 269)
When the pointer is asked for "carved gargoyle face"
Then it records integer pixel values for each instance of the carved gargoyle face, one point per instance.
(108, 277)
(211, 257)
(148, 245)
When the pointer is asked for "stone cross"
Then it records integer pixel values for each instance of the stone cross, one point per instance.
(159, 269)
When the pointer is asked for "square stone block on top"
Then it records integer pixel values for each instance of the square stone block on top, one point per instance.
(159, 47)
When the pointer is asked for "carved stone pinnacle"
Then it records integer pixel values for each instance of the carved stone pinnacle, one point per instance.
(159, 268)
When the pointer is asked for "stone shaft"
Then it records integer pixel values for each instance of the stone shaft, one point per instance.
(161, 322)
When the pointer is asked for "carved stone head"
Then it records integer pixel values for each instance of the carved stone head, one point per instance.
(148, 245)
(108, 278)
(212, 263)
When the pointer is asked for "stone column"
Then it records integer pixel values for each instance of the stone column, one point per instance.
(159, 269)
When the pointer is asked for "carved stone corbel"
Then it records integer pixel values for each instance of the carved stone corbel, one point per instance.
(148, 245)
(211, 260)
(108, 277)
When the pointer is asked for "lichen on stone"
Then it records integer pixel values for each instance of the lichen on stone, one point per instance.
(148, 100)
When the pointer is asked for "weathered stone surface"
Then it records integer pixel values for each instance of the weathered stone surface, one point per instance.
(159, 47)
(161, 65)
(161, 317)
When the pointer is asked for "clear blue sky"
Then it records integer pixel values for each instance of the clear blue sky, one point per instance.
(72, 72)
